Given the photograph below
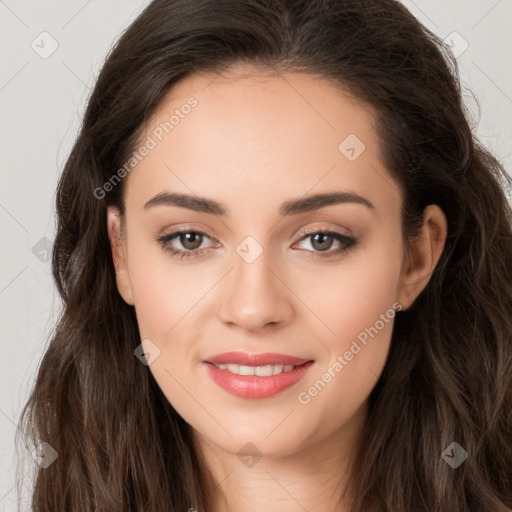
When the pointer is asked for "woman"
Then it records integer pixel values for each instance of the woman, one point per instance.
(283, 257)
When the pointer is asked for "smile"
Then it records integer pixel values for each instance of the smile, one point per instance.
(260, 371)
(255, 382)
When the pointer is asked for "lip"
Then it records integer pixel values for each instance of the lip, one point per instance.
(253, 386)
(263, 359)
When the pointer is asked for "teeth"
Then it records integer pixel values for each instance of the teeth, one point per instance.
(259, 371)
(278, 368)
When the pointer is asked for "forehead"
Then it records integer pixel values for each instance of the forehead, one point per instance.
(266, 106)
(270, 134)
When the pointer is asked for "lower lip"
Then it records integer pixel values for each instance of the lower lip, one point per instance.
(252, 386)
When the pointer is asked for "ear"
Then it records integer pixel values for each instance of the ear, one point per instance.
(425, 252)
(117, 244)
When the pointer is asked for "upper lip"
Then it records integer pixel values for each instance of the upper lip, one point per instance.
(243, 358)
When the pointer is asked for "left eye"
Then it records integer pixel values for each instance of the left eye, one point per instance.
(192, 241)
(321, 241)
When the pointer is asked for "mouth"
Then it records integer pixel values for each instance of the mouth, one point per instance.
(256, 381)
(263, 359)
(260, 371)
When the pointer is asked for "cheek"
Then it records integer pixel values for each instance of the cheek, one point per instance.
(164, 291)
(350, 295)
(357, 306)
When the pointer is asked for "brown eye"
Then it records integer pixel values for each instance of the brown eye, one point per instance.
(322, 241)
(190, 240)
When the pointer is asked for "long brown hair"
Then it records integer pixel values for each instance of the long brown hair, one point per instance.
(121, 446)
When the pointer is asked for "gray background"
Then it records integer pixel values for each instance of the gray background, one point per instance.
(42, 100)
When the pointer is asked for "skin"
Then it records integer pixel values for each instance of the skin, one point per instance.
(254, 141)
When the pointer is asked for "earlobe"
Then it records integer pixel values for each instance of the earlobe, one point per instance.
(425, 252)
(119, 255)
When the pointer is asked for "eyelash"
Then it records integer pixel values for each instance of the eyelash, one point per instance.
(346, 241)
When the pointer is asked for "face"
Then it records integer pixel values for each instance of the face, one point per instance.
(271, 264)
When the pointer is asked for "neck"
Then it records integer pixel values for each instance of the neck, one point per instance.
(311, 478)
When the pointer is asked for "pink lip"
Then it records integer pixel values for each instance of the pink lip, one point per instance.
(253, 386)
(264, 359)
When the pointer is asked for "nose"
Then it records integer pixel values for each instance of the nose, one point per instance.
(255, 295)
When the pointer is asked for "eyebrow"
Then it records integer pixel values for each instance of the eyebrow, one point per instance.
(291, 207)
